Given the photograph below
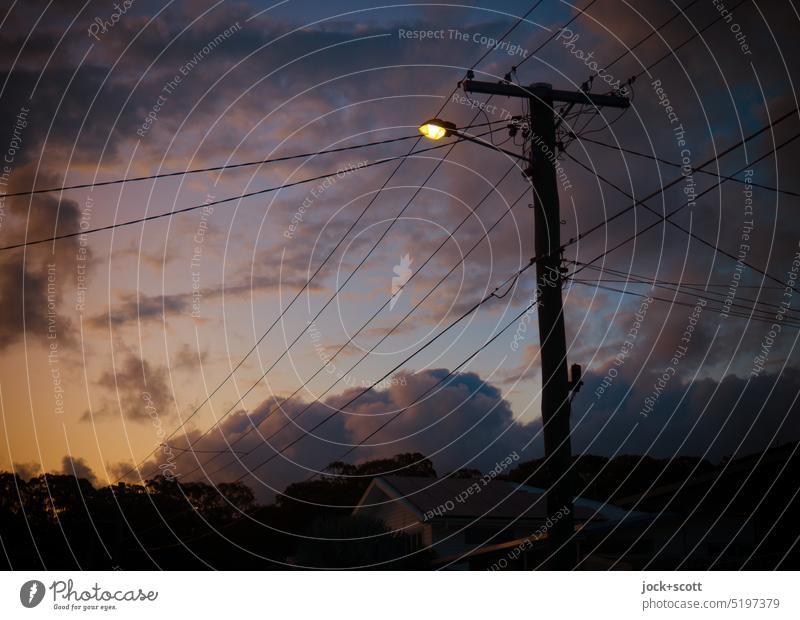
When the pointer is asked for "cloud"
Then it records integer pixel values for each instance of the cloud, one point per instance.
(119, 470)
(76, 466)
(139, 308)
(33, 282)
(711, 418)
(139, 390)
(189, 359)
(26, 471)
(465, 422)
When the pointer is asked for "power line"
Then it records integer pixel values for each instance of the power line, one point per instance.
(222, 167)
(758, 319)
(179, 173)
(398, 413)
(695, 34)
(763, 308)
(677, 165)
(658, 29)
(404, 409)
(419, 397)
(671, 52)
(632, 278)
(541, 46)
(187, 450)
(646, 280)
(507, 32)
(678, 179)
(755, 313)
(667, 218)
(218, 202)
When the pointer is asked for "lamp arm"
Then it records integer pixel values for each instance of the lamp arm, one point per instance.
(463, 136)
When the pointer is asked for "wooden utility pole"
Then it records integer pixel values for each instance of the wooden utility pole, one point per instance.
(556, 387)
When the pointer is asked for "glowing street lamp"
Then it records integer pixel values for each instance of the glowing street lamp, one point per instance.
(436, 129)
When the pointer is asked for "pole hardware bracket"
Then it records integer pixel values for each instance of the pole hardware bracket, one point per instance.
(575, 382)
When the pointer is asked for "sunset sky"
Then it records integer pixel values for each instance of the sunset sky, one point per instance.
(107, 337)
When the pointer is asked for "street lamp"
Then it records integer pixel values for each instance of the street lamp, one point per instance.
(436, 129)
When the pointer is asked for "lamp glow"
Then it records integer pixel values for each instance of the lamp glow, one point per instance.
(436, 129)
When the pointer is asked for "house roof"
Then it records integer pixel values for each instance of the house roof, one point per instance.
(442, 498)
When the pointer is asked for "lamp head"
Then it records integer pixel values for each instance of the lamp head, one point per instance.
(436, 129)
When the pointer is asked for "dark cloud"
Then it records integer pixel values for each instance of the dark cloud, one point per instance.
(137, 389)
(26, 471)
(189, 359)
(120, 470)
(463, 423)
(140, 308)
(76, 466)
(467, 423)
(731, 417)
(33, 283)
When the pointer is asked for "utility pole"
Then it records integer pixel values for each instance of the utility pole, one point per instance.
(556, 387)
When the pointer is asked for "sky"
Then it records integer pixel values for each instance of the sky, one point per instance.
(258, 319)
